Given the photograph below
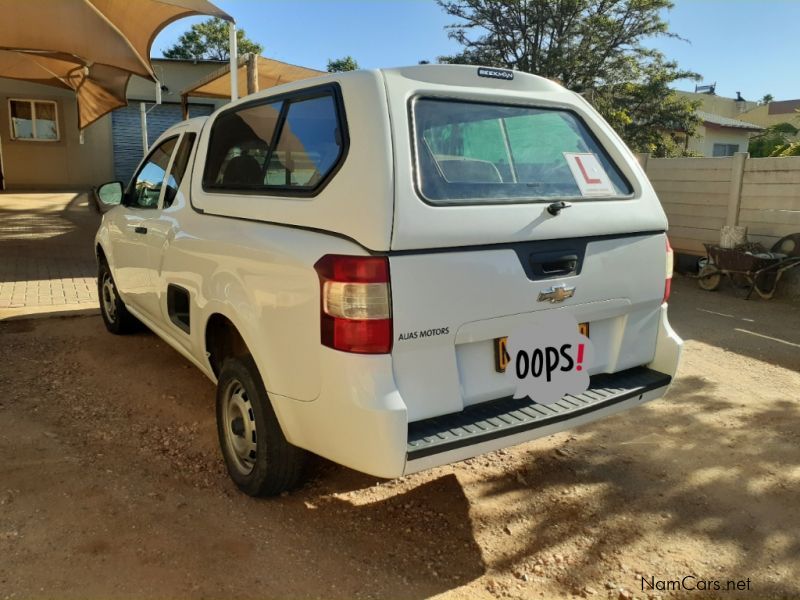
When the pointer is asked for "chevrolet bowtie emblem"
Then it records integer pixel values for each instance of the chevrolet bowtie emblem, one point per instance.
(556, 293)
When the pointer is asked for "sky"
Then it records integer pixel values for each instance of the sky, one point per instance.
(742, 45)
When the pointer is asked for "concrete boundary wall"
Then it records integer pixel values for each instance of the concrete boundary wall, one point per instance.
(700, 195)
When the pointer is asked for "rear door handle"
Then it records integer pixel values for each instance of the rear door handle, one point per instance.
(553, 264)
(140, 229)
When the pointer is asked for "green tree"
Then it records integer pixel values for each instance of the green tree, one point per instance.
(766, 99)
(346, 63)
(210, 40)
(774, 138)
(792, 149)
(594, 47)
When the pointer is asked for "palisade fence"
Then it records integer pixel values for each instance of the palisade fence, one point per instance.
(700, 195)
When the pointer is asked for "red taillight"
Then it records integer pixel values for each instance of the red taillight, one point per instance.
(353, 269)
(668, 282)
(355, 309)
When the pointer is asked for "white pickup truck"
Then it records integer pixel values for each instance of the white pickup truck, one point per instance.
(343, 256)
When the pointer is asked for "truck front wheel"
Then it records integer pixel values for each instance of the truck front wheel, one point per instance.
(115, 314)
(259, 458)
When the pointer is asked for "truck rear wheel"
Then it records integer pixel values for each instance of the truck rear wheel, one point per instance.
(259, 458)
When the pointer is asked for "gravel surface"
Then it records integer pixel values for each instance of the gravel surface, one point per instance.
(112, 486)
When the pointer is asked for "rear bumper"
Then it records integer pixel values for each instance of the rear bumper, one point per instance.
(360, 420)
(668, 346)
(505, 422)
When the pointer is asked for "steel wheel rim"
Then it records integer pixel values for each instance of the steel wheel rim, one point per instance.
(109, 297)
(239, 423)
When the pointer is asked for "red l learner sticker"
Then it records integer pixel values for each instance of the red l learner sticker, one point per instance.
(589, 174)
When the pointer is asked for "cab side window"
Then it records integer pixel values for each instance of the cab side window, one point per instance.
(146, 186)
(276, 147)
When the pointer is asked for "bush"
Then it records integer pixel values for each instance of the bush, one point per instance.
(792, 149)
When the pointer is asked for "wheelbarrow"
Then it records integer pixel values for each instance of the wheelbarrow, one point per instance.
(749, 267)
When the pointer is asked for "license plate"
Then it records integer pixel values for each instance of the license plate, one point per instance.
(501, 357)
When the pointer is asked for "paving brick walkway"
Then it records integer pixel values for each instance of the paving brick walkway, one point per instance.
(46, 254)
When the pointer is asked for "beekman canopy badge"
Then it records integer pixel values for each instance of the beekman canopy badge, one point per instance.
(495, 73)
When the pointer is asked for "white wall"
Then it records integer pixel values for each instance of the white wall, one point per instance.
(702, 142)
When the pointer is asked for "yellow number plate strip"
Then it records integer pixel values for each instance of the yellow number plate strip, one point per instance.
(501, 357)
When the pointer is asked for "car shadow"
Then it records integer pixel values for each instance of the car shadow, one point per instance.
(420, 539)
(663, 471)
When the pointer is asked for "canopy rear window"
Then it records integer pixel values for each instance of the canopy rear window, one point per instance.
(478, 153)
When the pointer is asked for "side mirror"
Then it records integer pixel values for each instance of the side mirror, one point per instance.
(109, 195)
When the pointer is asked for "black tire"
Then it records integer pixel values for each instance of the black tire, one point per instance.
(115, 314)
(259, 459)
(709, 278)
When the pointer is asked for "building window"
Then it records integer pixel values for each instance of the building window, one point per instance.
(35, 120)
(725, 149)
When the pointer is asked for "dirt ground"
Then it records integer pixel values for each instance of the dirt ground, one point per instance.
(112, 486)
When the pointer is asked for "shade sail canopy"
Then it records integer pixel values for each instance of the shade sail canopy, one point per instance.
(89, 46)
(270, 73)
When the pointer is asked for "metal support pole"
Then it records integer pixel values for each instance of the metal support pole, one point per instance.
(234, 56)
(143, 124)
(143, 116)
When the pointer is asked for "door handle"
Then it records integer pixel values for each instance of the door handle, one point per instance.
(140, 229)
(553, 264)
